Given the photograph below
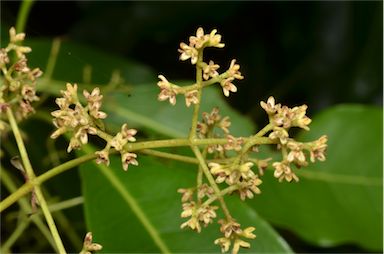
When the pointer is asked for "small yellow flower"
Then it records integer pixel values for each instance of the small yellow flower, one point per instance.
(239, 243)
(299, 118)
(74, 143)
(15, 37)
(188, 52)
(187, 194)
(210, 70)
(102, 157)
(318, 149)
(224, 124)
(128, 134)
(228, 86)
(128, 158)
(224, 243)
(279, 134)
(214, 40)
(198, 40)
(166, 90)
(283, 171)
(191, 98)
(89, 246)
(70, 94)
(248, 233)
(234, 70)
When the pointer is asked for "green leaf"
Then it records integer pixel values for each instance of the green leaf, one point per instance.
(139, 210)
(143, 109)
(74, 57)
(340, 200)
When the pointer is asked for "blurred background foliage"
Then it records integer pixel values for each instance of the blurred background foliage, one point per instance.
(318, 53)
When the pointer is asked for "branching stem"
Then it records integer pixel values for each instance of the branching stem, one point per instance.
(31, 176)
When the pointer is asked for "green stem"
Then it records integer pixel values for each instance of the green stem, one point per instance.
(263, 131)
(139, 146)
(65, 204)
(23, 14)
(27, 187)
(178, 142)
(284, 152)
(254, 140)
(212, 182)
(5, 248)
(31, 176)
(52, 58)
(199, 179)
(171, 156)
(224, 192)
(26, 207)
(196, 107)
(217, 79)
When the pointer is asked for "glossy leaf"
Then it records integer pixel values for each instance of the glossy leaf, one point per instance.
(340, 200)
(114, 200)
(74, 57)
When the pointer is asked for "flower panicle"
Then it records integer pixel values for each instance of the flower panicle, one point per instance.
(18, 89)
(82, 120)
(282, 118)
(209, 71)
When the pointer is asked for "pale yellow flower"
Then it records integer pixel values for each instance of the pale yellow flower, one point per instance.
(188, 52)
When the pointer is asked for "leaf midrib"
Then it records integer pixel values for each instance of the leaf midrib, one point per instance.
(132, 203)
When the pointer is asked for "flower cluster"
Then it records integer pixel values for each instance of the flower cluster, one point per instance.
(208, 72)
(19, 87)
(297, 156)
(282, 118)
(232, 236)
(199, 213)
(82, 121)
(206, 129)
(118, 142)
(285, 117)
(73, 117)
(199, 42)
(241, 175)
(167, 90)
(212, 120)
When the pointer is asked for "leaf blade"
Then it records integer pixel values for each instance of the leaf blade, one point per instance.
(337, 200)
